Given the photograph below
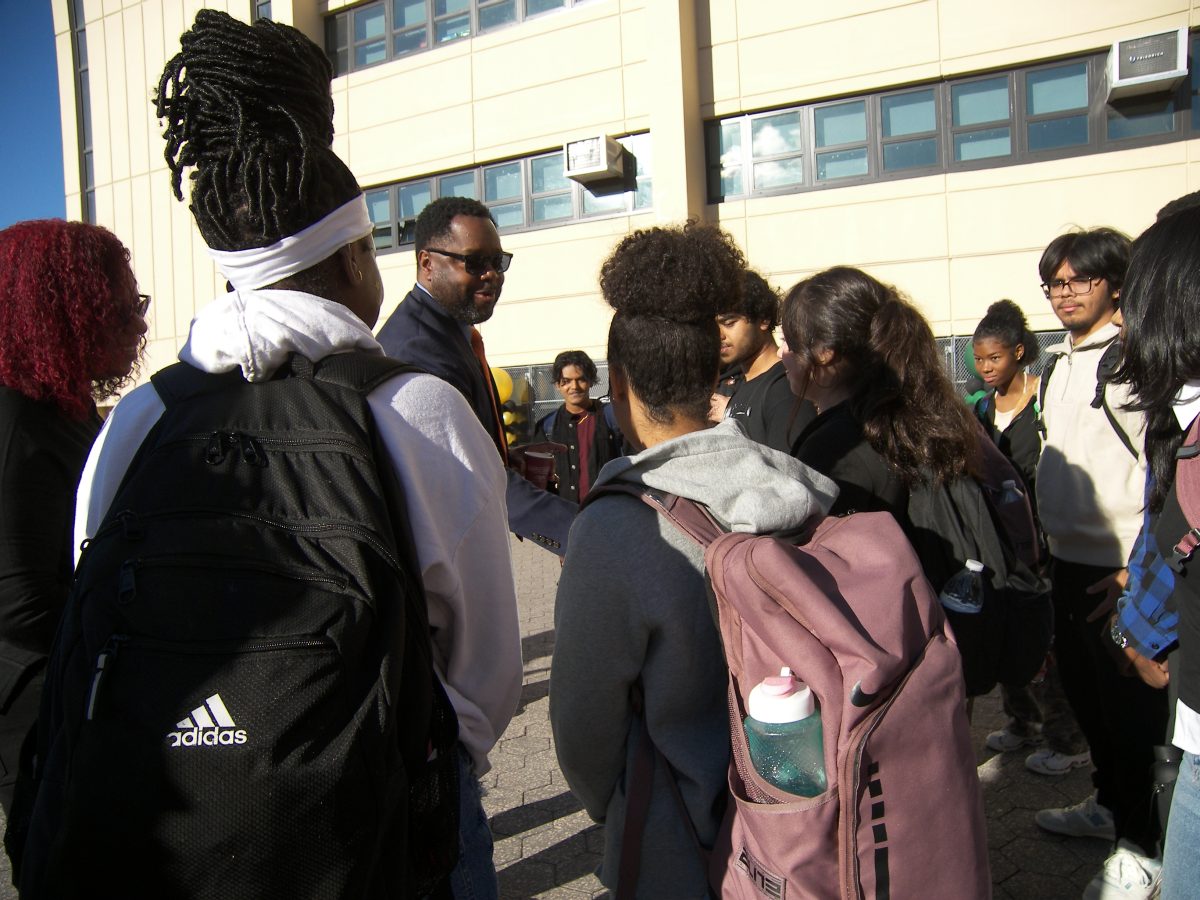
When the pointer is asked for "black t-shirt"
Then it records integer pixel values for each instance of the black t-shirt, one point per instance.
(1021, 441)
(768, 411)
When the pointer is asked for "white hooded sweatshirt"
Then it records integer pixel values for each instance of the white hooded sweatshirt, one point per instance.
(453, 481)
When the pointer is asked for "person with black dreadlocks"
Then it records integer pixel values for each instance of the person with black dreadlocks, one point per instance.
(248, 110)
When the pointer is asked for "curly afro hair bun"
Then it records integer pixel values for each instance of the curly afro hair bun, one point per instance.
(683, 274)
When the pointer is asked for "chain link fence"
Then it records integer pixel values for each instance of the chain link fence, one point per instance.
(540, 396)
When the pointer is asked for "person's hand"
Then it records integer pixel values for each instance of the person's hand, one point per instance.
(716, 407)
(1151, 672)
(1111, 587)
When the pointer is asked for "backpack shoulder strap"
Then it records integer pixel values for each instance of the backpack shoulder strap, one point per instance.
(610, 417)
(690, 517)
(181, 381)
(362, 372)
(1044, 381)
(547, 423)
(1108, 363)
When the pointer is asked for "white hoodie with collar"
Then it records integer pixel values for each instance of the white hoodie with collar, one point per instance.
(454, 486)
(1089, 486)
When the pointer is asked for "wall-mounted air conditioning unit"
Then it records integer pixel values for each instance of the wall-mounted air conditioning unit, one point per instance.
(594, 158)
(1146, 65)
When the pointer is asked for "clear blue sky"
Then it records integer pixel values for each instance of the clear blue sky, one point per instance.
(31, 168)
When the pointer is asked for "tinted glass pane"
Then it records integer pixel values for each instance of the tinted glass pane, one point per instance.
(841, 164)
(1195, 84)
(85, 106)
(727, 142)
(1065, 132)
(558, 207)
(772, 135)
(1128, 119)
(460, 185)
(725, 182)
(598, 203)
(509, 215)
(370, 54)
(445, 7)
(81, 56)
(778, 173)
(89, 170)
(409, 41)
(845, 123)
(502, 182)
(341, 62)
(908, 113)
(983, 144)
(89, 202)
(495, 16)
(980, 101)
(368, 23)
(533, 7)
(379, 206)
(412, 198)
(1056, 90)
(383, 237)
(547, 174)
(406, 13)
(910, 154)
(644, 198)
(452, 29)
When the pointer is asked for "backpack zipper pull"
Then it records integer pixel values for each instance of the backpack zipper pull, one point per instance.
(108, 653)
(250, 449)
(127, 582)
(218, 444)
(131, 528)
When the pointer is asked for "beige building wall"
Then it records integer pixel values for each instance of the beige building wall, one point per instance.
(954, 242)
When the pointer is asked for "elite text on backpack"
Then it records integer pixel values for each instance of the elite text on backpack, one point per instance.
(850, 612)
(241, 700)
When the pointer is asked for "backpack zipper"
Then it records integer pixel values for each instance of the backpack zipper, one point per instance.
(131, 523)
(127, 576)
(115, 642)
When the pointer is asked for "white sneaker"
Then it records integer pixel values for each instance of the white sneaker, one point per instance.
(1126, 874)
(1085, 819)
(1051, 762)
(1004, 741)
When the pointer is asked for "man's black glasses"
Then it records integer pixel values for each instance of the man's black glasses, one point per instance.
(478, 263)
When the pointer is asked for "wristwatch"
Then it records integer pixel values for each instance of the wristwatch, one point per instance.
(1118, 636)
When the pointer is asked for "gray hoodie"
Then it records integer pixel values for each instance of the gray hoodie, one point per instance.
(632, 607)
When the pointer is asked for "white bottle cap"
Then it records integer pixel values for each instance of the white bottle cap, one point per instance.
(974, 565)
(780, 699)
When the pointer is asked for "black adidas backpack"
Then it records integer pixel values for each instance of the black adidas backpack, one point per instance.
(241, 700)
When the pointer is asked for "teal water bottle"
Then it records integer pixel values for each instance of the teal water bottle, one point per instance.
(783, 731)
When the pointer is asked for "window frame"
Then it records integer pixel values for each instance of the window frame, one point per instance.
(400, 229)
(1183, 103)
(335, 50)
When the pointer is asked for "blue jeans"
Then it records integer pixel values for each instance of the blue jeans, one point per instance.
(1181, 865)
(474, 878)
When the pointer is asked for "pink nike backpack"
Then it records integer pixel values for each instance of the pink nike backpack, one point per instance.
(850, 612)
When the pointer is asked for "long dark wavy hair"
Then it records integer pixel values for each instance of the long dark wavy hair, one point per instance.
(67, 294)
(899, 391)
(1160, 304)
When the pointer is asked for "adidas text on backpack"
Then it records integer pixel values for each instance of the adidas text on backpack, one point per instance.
(849, 610)
(241, 700)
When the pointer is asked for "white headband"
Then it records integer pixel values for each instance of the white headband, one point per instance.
(247, 270)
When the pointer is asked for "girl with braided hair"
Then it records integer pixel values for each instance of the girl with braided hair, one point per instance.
(249, 119)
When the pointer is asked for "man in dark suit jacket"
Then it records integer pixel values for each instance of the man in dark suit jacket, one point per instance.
(460, 272)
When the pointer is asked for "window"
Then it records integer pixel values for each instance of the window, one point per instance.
(908, 128)
(373, 33)
(262, 10)
(1056, 107)
(981, 119)
(531, 192)
(1036, 112)
(83, 112)
(840, 136)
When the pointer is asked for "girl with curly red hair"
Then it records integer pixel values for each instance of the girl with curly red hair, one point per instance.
(72, 327)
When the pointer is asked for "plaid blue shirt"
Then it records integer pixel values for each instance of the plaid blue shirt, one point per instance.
(1143, 611)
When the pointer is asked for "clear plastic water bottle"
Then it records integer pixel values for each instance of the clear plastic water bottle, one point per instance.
(784, 733)
(1010, 493)
(964, 592)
